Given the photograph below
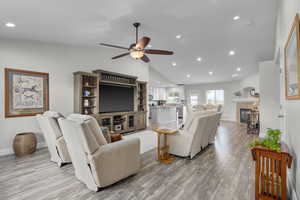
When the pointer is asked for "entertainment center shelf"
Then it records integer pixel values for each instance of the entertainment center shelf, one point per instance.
(117, 101)
(122, 122)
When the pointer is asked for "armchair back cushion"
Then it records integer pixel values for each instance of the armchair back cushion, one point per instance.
(198, 135)
(57, 147)
(52, 118)
(92, 127)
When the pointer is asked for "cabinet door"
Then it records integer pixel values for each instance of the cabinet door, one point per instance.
(140, 121)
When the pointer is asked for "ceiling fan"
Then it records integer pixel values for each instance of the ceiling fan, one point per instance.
(137, 50)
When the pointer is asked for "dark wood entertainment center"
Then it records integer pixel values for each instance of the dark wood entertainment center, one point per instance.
(87, 97)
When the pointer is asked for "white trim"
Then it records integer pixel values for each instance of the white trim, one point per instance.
(9, 151)
(5, 152)
(291, 188)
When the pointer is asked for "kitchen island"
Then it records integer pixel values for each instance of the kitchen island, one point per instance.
(164, 116)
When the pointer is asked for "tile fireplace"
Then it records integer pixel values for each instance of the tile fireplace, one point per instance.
(242, 109)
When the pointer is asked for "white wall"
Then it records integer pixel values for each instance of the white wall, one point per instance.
(251, 81)
(269, 108)
(286, 13)
(60, 62)
(228, 87)
(156, 79)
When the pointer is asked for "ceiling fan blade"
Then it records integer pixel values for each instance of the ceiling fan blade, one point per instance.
(114, 46)
(160, 52)
(119, 56)
(142, 43)
(145, 59)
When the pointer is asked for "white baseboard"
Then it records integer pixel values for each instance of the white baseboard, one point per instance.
(5, 152)
(9, 151)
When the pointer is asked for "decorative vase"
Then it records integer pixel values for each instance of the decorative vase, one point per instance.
(24, 144)
(86, 93)
(86, 103)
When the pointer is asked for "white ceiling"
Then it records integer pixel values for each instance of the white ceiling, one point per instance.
(207, 28)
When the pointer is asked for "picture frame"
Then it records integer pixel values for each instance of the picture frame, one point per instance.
(26, 92)
(292, 62)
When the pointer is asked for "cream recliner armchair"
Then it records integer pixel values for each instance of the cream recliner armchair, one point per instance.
(55, 141)
(187, 141)
(96, 162)
(196, 135)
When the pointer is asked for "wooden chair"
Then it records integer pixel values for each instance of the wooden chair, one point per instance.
(270, 172)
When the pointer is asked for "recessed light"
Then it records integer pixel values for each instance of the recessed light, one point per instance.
(231, 53)
(188, 76)
(238, 69)
(234, 75)
(236, 17)
(178, 36)
(210, 73)
(199, 59)
(10, 25)
(174, 64)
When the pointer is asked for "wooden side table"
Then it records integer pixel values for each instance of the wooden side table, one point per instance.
(163, 155)
(271, 172)
(115, 137)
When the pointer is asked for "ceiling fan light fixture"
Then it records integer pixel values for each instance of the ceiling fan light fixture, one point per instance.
(136, 54)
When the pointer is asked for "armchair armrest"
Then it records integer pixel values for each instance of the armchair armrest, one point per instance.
(115, 161)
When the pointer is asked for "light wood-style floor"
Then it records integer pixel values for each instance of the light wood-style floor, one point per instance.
(222, 171)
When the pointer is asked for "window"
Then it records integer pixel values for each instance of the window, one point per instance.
(215, 97)
(194, 100)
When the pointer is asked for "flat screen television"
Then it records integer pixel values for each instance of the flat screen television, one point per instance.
(115, 98)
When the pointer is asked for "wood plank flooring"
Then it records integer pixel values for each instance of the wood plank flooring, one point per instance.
(222, 171)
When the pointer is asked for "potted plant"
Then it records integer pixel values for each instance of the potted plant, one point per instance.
(271, 141)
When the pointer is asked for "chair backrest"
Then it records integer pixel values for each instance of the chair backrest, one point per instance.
(52, 118)
(81, 144)
(48, 123)
(215, 124)
(92, 132)
(211, 119)
(48, 136)
(270, 173)
(200, 123)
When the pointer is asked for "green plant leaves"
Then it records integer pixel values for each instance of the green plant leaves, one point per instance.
(271, 141)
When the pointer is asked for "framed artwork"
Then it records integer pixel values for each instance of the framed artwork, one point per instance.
(292, 62)
(26, 93)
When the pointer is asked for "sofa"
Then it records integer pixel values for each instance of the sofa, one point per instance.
(55, 141)
(207, 107)
(198, 132)
(98, 163)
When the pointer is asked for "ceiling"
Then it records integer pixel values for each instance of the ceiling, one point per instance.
(207, 28)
